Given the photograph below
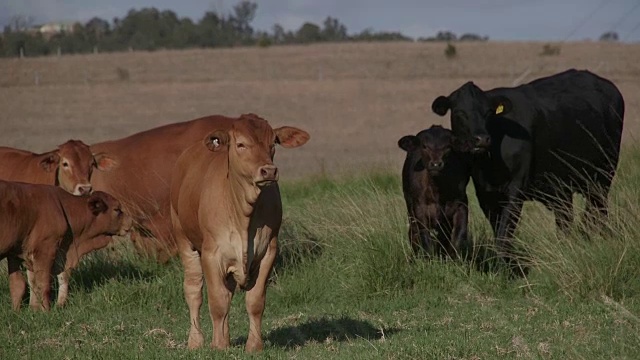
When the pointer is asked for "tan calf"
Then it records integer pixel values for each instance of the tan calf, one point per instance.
(226, 212)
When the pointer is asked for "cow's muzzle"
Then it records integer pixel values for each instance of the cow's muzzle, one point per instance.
(267, 175)
(481, 143)
(435, 167)
(82, 189)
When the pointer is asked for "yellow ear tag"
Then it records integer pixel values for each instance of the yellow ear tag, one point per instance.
(499, 109)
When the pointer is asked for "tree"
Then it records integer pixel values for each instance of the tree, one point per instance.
(97, 27)
(333, 30)
(279, 35)
(446, 36)
(472, 37)
(308, 33)
(244, 13)
(609, 36)
(20, 22)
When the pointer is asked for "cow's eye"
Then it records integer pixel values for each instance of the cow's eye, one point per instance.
(119, 212)
(241, 146)
(65, 164)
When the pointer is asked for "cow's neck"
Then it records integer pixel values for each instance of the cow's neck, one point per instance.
(82, 221)
(243, 197)
(430, 192)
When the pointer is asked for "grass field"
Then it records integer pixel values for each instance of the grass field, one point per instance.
(345, 284)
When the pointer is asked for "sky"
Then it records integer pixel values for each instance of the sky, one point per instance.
(540, 20)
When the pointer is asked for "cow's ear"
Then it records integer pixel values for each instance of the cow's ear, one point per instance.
(441, 105)
(217, 140)
(290, 137)
(50, 161)
(501, 105)
(105, 162)
(96, 204)
(409, 143)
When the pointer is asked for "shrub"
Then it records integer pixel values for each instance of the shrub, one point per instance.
(450, 51)
(550, 50)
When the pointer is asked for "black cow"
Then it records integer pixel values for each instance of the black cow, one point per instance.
(542, 141)
(434, 182)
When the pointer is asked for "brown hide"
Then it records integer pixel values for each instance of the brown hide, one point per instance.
(70, 166)
(142, 177)
(39, 221)
(226, 212)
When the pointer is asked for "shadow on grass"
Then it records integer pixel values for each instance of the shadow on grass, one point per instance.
(98, 271)
(319, 330)
(296, 244)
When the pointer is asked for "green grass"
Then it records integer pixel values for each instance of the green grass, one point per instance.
(347, 286)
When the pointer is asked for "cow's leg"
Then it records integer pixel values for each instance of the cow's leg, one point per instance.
(460, 232)
(73, 256)
(507, 223)
(17, 285)
(193, 294)
(192, 284)
(256, 297)
(419, 236)
(424, 223)
(220, 287)
(491, 205)
(42, 264)
(33, 300)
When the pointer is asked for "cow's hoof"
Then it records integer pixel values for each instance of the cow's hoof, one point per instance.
(253, 346)
(196, 340)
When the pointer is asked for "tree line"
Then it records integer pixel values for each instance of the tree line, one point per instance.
(151, 29)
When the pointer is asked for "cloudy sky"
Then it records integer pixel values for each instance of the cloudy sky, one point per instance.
(547, 20)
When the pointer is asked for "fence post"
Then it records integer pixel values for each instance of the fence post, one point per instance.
(21, 52)
(36, 78)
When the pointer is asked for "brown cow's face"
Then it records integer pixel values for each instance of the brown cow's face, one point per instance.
(251, 144)
(251, 151)
(75, 164)
(110, 219)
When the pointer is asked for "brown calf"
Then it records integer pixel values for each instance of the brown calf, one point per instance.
(41, 221)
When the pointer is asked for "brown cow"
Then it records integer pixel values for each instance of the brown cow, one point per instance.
(226, 212)
(143, 176)
(40, 221)
(70, 166)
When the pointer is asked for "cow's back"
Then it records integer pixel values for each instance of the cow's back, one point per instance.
(573, 122)
(22, 166)
(145, 162)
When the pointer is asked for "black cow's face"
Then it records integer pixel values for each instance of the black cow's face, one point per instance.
(434, 144)
(471, 109)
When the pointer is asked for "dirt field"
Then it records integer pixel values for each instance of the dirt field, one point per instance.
(356, 100)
